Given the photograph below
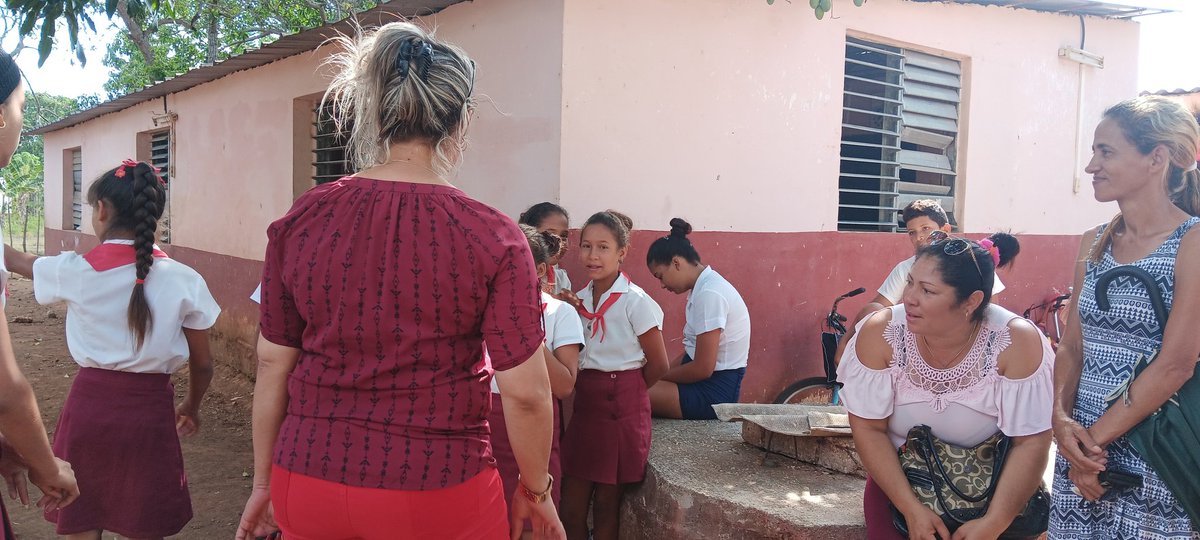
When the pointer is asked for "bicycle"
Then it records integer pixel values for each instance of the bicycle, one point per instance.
(822, 390)
(1051, 316)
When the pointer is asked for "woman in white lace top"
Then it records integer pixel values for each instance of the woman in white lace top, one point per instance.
(948, 358)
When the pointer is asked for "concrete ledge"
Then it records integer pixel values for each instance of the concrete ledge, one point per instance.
(703, 482)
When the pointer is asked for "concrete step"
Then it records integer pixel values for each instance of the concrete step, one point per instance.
(704, 483)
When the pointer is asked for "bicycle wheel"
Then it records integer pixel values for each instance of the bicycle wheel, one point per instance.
(810, 391)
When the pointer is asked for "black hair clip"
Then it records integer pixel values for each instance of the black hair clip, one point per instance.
(414, 52)
(403, 58)
(425, 60)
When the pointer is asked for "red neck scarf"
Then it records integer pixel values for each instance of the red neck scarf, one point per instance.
(108, 256)
(596, 320)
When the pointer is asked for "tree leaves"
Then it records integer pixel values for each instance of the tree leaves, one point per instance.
(47, 14)
(821, 7)
(189, 33)
(173, 36)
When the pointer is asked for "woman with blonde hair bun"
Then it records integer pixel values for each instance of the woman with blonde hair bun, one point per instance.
(378, 292)
(1144, 159)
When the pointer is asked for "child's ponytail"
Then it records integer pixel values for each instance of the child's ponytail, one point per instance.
(147, 209)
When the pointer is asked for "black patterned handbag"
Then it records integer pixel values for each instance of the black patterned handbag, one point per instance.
(957, 483)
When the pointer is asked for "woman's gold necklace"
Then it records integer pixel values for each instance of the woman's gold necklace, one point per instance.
(956, 355)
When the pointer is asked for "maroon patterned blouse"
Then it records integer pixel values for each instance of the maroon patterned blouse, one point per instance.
(389, 290)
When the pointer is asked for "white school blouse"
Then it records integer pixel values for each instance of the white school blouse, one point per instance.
(893, 286)
(616, 347)
(97, 328)
(562, 327)
(713, 303)
(561, 281)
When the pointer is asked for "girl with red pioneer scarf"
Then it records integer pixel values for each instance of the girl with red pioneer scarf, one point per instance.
(606, 445)
(134, 317)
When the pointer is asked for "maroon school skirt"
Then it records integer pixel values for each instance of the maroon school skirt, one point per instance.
(117, 430)
(506, 461)
(608, 439)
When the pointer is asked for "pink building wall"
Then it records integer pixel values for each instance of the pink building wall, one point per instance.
(234, 145)
(241, 140)
(726, 113)
(673, 109)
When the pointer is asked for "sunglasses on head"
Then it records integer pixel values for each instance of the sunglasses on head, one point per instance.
(954, 247)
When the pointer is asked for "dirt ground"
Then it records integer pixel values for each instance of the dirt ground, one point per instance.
(219, 459)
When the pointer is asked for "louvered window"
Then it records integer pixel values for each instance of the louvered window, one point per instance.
(329, 147)
(899, 133)
(76, 189)
(160, 156)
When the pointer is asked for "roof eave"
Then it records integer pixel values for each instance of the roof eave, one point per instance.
(284, 47)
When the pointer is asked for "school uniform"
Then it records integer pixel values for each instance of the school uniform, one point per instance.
(608, 440)
(558, 280)
(713, 304)
(562, 329)
(117, 428)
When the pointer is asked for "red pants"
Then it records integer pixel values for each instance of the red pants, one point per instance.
(308, 508)
(878, 514)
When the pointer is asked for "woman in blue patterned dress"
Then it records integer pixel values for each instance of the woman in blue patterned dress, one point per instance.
(1144, 158)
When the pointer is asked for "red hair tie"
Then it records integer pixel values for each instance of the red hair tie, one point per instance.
(139, 281)
(129, 164)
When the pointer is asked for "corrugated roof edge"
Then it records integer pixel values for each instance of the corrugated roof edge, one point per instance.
(1175, 92)
(279, 49)
(1094, 8)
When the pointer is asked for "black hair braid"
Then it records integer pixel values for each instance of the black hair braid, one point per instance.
(147, 208)
(553, 242)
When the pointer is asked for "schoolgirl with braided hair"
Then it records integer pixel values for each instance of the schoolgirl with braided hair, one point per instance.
(134, 317)
(548, 217)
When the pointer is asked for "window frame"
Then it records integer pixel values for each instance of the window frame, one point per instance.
(901, 132)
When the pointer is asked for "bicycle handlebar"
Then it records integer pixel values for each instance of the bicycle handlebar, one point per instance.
(835, 319)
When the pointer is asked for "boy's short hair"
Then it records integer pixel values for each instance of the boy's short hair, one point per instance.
(929, 208)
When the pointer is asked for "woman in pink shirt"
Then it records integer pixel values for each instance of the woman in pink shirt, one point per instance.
(378, 291)
(948, 358)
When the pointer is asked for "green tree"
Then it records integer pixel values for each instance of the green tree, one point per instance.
(203, 32)
(42, 109)
(24, 177)
(23, 182)
(221, 27)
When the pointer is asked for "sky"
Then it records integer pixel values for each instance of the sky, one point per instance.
(1168, 46)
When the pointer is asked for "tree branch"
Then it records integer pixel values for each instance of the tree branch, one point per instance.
(190, 24)
(261, 35)
(136, 34)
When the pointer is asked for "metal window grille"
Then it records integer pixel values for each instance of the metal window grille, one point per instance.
(76, 189)
(899, 133)
(160, 156)
(330, 161)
